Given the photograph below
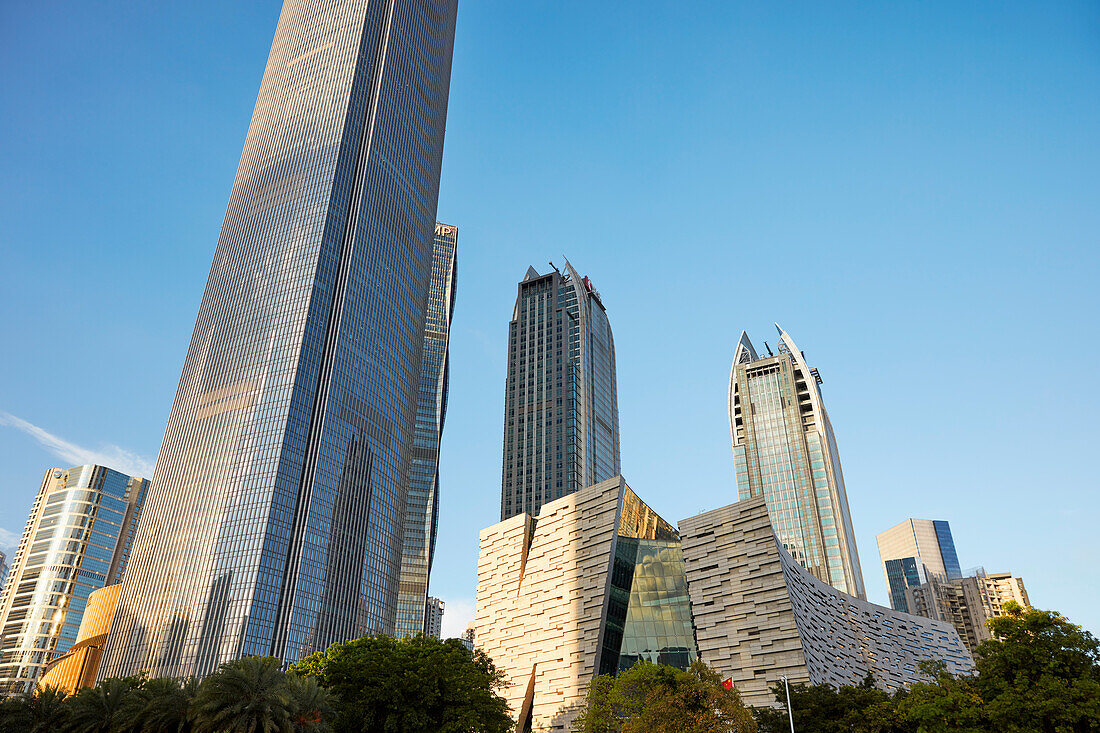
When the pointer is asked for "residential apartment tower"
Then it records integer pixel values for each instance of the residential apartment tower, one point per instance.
(77, 539)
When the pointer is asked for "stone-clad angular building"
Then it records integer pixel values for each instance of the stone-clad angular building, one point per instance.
(276, 512)
(784, 450)
(561, 409)
(591, 585)
(759, 615)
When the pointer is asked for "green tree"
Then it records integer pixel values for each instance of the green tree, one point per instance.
(859, 708)
(945, 703)
(1039, 672)
(311, 705)
(99, 709)
(413, 685)
(248, 695)
(655, 698)
(160, 705)
(44, 711)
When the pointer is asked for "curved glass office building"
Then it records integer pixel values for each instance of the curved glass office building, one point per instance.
(276, 514)
(784, 450)
(561, 411)
(77, 540)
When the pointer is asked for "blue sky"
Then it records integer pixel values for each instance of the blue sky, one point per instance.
(911, 190)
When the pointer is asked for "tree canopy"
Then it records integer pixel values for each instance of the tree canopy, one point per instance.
(411, 685)
(1039, 673)
(655, 698)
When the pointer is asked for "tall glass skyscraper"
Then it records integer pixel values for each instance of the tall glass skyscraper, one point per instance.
(422, 508)
(784, 449)
(276, 514)
(561, 411)
(77, 539)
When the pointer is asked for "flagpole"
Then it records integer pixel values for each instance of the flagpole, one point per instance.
(790, 713)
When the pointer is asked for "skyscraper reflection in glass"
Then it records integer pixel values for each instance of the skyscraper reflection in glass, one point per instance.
(784, 450)
(561, 421)
(276, 512)
(422, 508)
(77, 539)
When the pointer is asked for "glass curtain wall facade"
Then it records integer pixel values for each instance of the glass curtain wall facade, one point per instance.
(77, 539)
(784, 450)
(925, 547)
(561, 412)
(3, 570)
(277, 509)
(422, 508)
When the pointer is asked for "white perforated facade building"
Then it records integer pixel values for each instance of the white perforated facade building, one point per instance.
(759, 615)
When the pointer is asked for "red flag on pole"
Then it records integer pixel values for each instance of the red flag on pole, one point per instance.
(728, 684)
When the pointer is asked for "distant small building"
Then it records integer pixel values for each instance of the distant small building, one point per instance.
(3, 570)
(433, 617)
(468, 637)
(912, 550)
(967, 603)
(759, 615)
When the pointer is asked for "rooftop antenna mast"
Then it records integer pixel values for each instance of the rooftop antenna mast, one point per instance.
(768, 348)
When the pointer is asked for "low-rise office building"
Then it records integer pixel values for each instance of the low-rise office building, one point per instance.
(760, 616)
(79, 666)
(591, 585)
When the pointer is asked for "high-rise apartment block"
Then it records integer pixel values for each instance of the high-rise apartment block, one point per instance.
(967, 603)
(760, 616)
(77, 539)
(785, 451)
(911, 550)
(433, 617)
(422, 507)
(275, 523)
(561, 413)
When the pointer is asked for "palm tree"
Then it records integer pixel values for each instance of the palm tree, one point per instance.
(160, 705)
(247, 695)
(311, 706)
(98, 709)
(43, 711)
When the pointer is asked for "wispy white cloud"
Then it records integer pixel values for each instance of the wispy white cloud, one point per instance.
(457, 615)
(8, 542)
(111, 456)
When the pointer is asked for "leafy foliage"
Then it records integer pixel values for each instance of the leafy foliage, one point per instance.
(382, 684)
(655, 698)
(1039, 673)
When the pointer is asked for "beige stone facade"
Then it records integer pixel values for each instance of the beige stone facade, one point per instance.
(544, 583)
(759, 615)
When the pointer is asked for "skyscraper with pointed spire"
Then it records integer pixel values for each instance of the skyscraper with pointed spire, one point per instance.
(276, 513)
(561, 410)
(785, 451)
